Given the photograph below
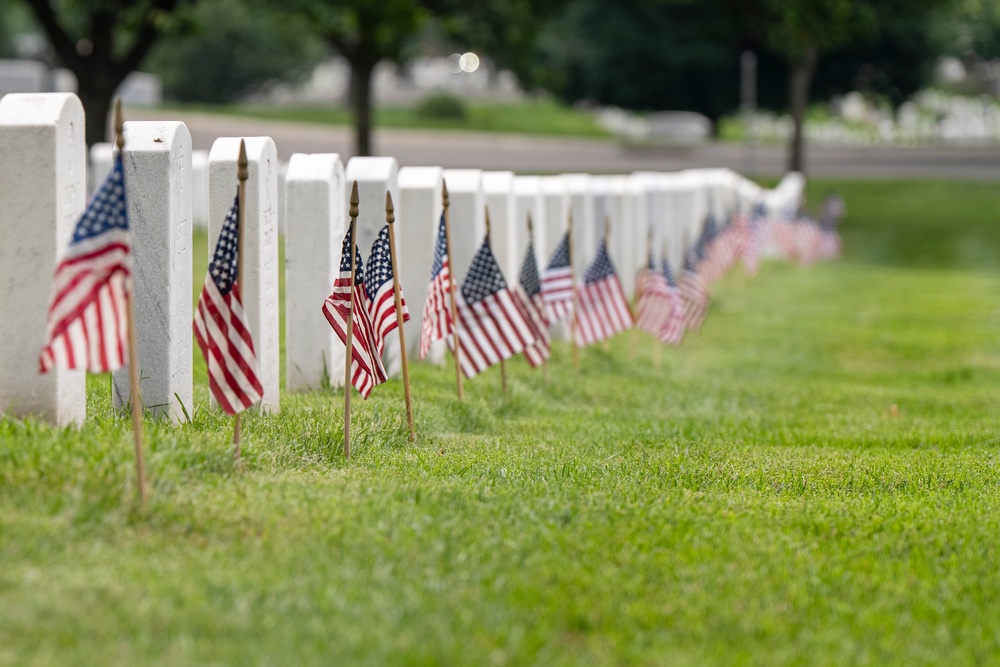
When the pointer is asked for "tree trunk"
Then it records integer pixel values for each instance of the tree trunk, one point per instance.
(95, 95)
(799, 80)
(361, 104)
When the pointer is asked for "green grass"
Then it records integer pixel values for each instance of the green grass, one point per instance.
(542, 117)
(811, 480)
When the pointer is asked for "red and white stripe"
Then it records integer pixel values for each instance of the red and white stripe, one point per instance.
(88, 321)
(489, 330)
(675, 326)
(602, 311)
(436, 322)
(557, 293)
(534, 309)
(655, 302)
(383, 313)
(367, 370)
(695, 295)
(222, 333)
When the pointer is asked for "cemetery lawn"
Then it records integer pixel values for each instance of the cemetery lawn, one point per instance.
(813, 479)
(541, 117)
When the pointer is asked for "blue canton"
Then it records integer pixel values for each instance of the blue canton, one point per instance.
(345, 256)
(223, 266)
(440, 249)
(560, 258)
(707, 234)
(379, 270)
(601, 267)
(669, 273)
(689, 260)
(529, 273)
(107, 209)
(484, 276)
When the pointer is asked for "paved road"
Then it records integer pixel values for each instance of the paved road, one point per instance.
(532, 154)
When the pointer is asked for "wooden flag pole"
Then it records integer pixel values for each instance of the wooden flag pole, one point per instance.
(349, 356)
(607, 236)
(390, 217)
(242, 174)
(545, 362)
(503, 364)
(451, 285)
(572, 281)
(133, 348)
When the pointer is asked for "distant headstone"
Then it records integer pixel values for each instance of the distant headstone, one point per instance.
(375, 177)
(629, 229)
(43, 196)
(101, 160)
(260, 288)
(586, 230)
(199, 188)
(141, 89)
(506, 228)
(467, 217)
(22, 76)
(316, 213)
(528, 200)
(418, 213)
(158, 191)
(678, 127)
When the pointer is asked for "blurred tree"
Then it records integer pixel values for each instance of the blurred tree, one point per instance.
(364, 32)
(801, 31)
(230, 48)
(971, 30)
(101, 42)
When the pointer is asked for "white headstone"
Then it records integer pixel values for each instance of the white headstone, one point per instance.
(43, 169)
(506, 229)
(199, 189)
(418, 214)
(628, 210)
(467, 216)
(260, 245)
(586, 230)
(556, 203)
(101, 159)
(528, 201)
(375, 177)
(158, 191)
(316, 212)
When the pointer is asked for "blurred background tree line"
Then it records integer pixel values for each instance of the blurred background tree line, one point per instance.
(640, 55)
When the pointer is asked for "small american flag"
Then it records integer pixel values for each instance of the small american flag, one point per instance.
(221, 328)
(531, 289)
(366, 362)
(557, 284)
(602, 309)
(674, 328)
(88, 321)
(694, 292)
(492, 324)
(437, 322)
(654, 303)
(753, 229)
(379, 289)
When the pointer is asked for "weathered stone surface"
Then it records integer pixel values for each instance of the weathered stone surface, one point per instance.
(260, 288)
(316, 211)
(157, 166)
(43, 171)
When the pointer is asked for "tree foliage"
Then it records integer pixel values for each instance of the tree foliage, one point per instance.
(230, 49)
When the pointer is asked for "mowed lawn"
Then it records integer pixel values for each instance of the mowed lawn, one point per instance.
(812, 479)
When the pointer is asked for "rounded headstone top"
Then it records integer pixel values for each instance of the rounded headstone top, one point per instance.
(420, 177)
(228, 148)
(154, 135)
(314, 167)
(38, 108)
(371, 168)
(463, 180)
(498, 182)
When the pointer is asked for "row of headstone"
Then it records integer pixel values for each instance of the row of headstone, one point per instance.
(45, 193)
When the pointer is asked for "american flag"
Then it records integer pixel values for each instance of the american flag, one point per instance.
(654, 303)
(531, 289)
(492, 322)
(674, 328)
(379, 289)
(437, 322)
(88, 321)
(694, 293)
(221, 328)
(753, 230)
(602, 309)
(366, 362)
(557, 284)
